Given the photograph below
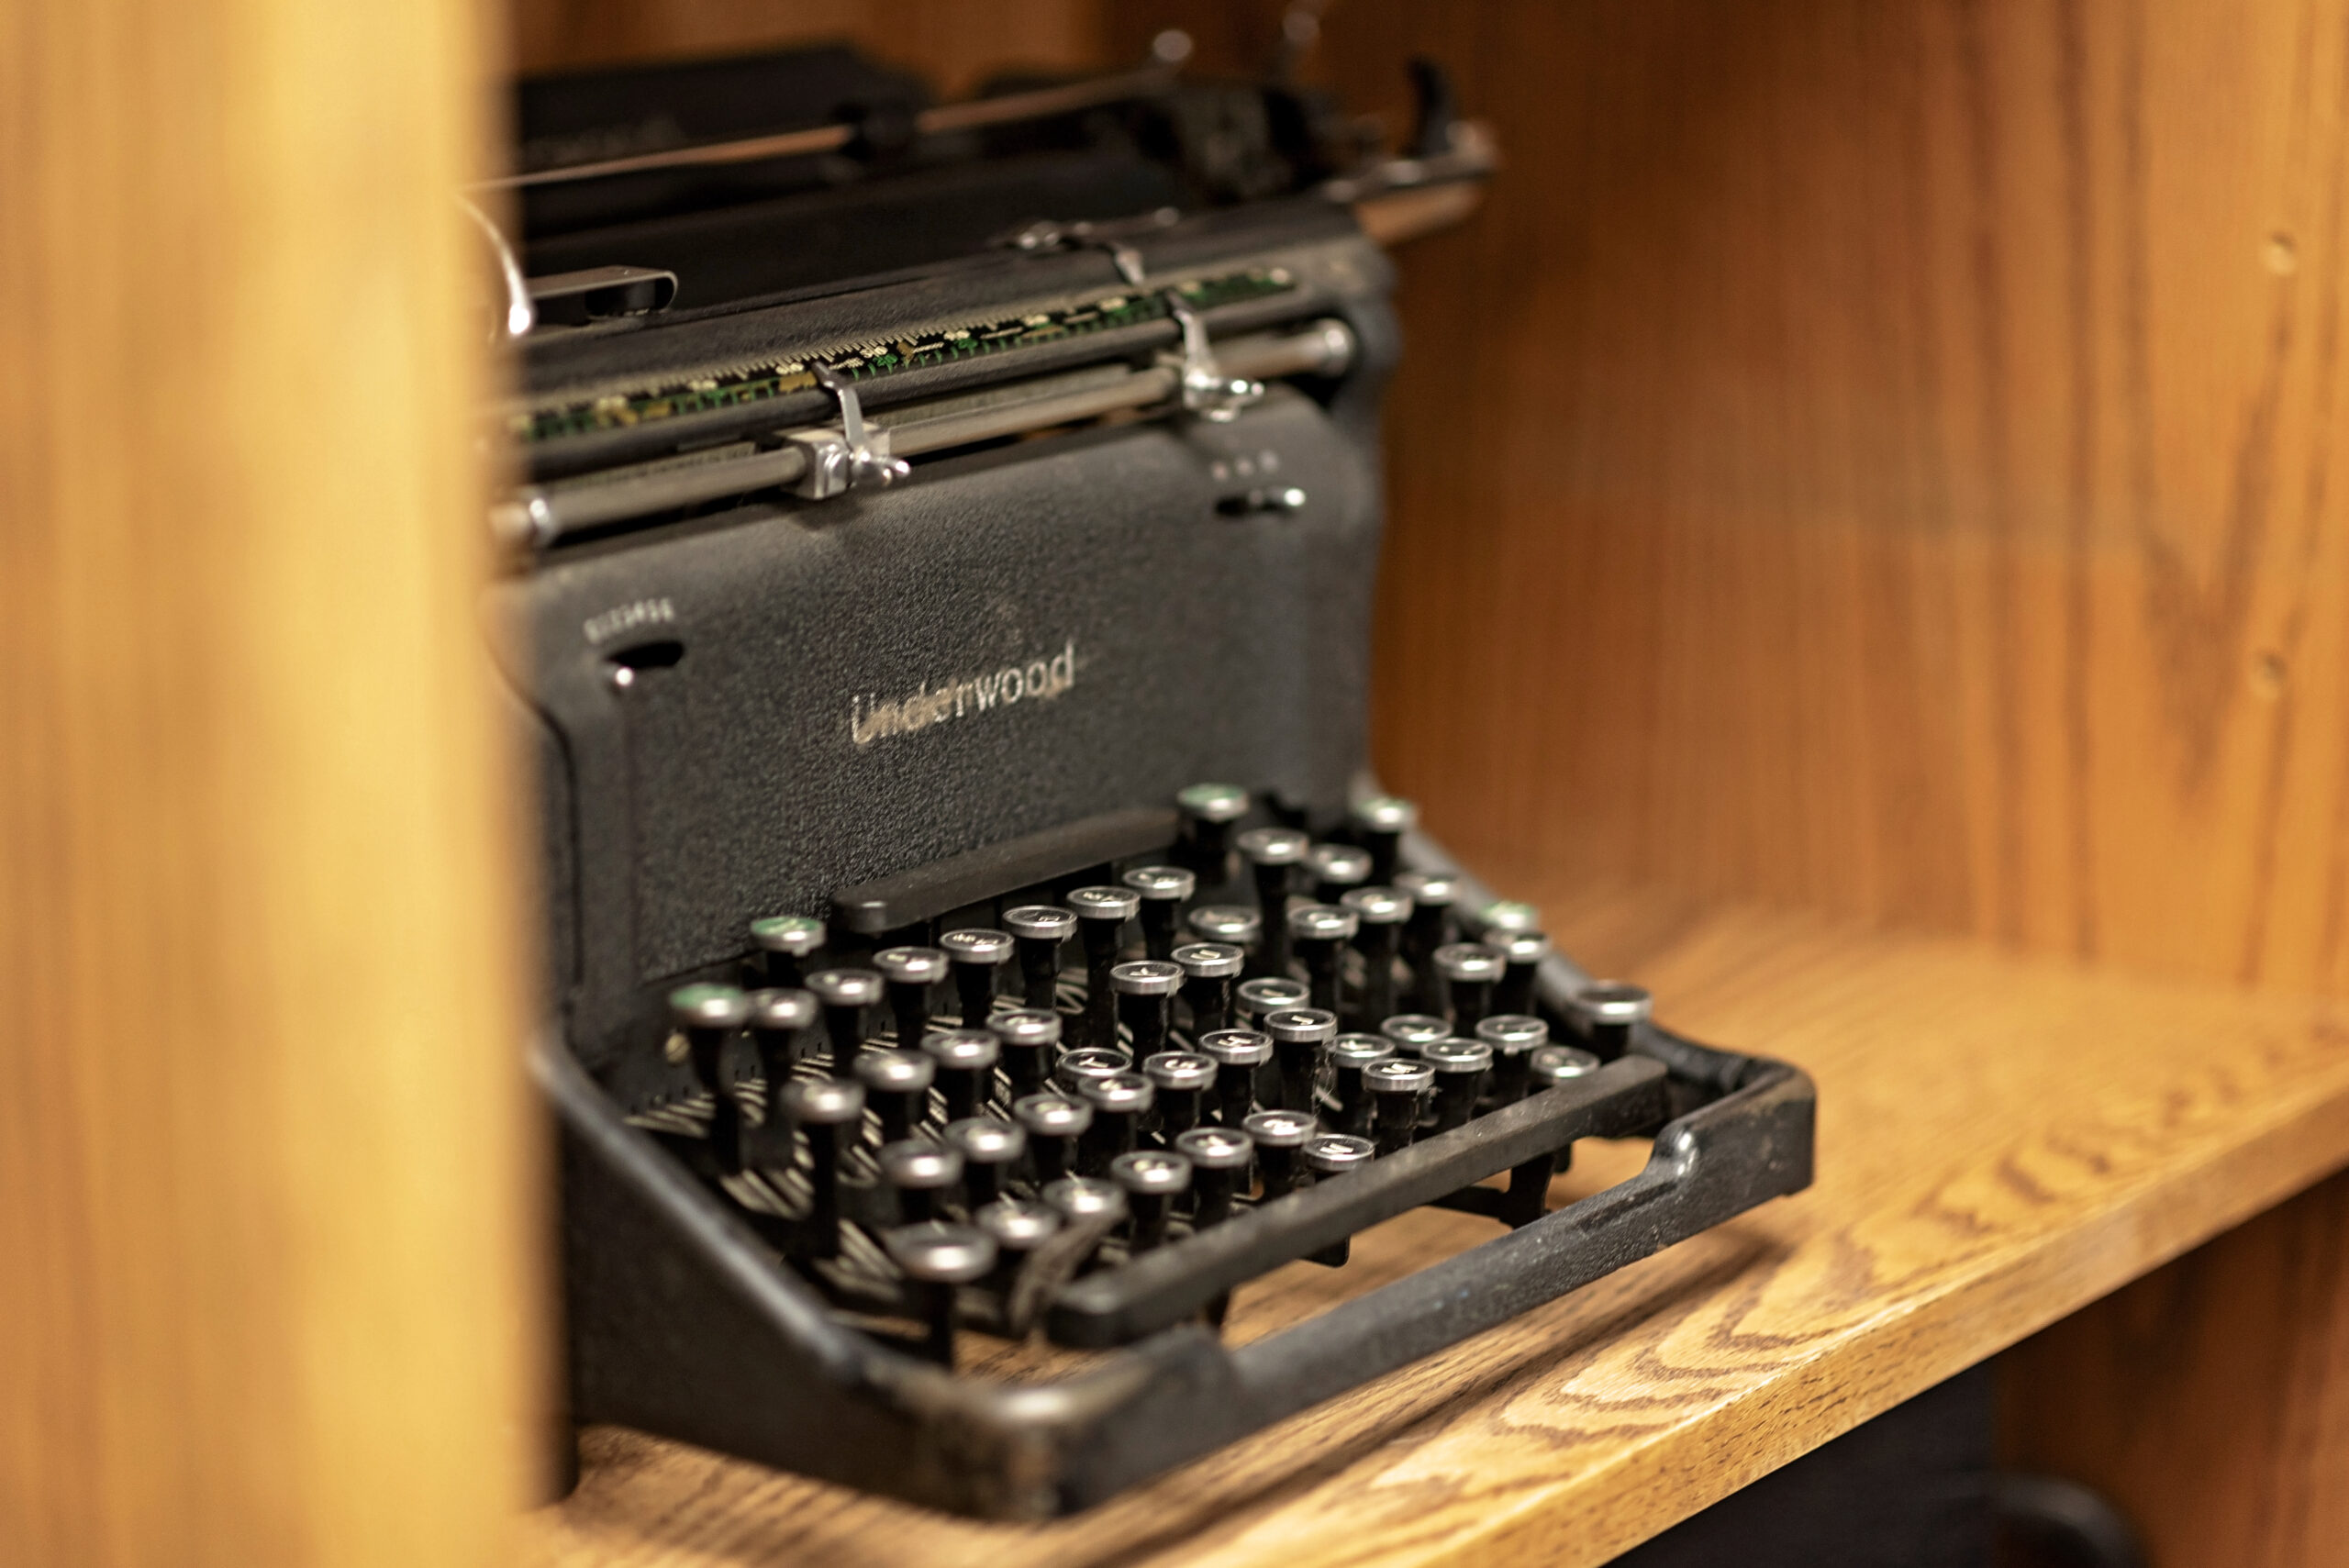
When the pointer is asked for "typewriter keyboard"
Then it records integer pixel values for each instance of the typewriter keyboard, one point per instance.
(1094, 1105)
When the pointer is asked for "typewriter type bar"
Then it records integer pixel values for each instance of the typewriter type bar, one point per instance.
(792, 1287)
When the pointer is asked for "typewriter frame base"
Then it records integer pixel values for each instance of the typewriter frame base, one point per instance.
(681, 1324)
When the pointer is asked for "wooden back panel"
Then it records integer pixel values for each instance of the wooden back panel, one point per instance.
(1879, 457)
(265, 1248)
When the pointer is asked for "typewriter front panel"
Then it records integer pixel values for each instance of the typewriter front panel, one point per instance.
(760, 708)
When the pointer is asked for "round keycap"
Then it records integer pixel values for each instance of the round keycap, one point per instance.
(1161, 884)
(976, 944)
(1280, 1130)
(1513, 1034)
(1146, 977)
(1410, 1031)
(1028, 1028)
(1341, 863)
(1322, 923)
(709, 1007)
(1213, 802)
(892, 1072)
(965, 1050)
(1179, 1070)
(1040, 922)
(1301, 1025)
(986, 1141)
(919, 1163)
(822, 1102)
(1216, 1148)
(1399, 1075)
(1465, 963)
(1120, 1094)
(1385, 814)
(1360, 1049)
(1554, 1064)
(1081, 1198)
(1151, 1173)
(1052, 1116)
(1018, 1225)
(1615, 1001)
(795, 936)
(1270, 993)
(845, 987)
(776, 1009)
(1449, 1057)
(1227, 923)
(1208, 960)
(1334, 1153)
(1237, 1048)
(1376, 905)
(1080, 1067)
(937, 1252)
(1434, 889)
(1105, 902)
(1506, 916)
(910, 966)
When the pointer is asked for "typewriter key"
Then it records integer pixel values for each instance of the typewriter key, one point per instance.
(1349, 1055)
(1381, 912)
(1299, 1036)
(1118, 1101)
(896, 1085)
(1079, 1068)
(1101, 916)
(1459, 1066)
(978, 956)
(1182, 1079)
(1317, 931)
(1151, 1179)
(1330, 1154)
(966, 1060)
(1227, 923)
(1163, 891)
(1040, 929)
(1210, 971)
(1410, 1032)
(1396, 1086)
(1052, 1123)
(923, 1174)
(1380, 823)
(777, 1020)
(1514, 1037)
(1219, 1158)
(1506, 917)
(1237, 1054)
(911, 973)
(1016, 1227)
(785, 943)
(1336, 869)
(1469, 970)
(1080, 1198)
(707, 1016)
(1277, 1136)
(1028, 1036)
(989, 1146)
(1269, 994)
(827, 1113)
(1522, 951)
(1607, 1011)
(1556, 1065)
(1145, 991)
(844, 995)
(1209, 811)
(1432, 894)
(936, 1259)
(1272, 854)
(1089, 1204)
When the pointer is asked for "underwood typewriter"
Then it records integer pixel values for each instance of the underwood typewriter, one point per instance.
(942, 555)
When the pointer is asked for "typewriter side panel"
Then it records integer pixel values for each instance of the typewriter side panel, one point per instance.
(762, 707)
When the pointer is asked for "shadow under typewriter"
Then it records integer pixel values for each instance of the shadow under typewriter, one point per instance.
(986, 1256)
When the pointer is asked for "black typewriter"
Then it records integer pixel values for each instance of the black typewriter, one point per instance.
(942, 550)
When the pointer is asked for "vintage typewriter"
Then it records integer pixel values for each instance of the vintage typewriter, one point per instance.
(941, 564)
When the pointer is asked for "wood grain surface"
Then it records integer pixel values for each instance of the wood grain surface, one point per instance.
(267, 1251)
(2003, 1139)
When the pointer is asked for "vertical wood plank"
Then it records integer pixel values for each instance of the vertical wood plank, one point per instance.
(263, 1162)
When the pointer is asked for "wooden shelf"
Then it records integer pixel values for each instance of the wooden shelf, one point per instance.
(2001, 1140)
